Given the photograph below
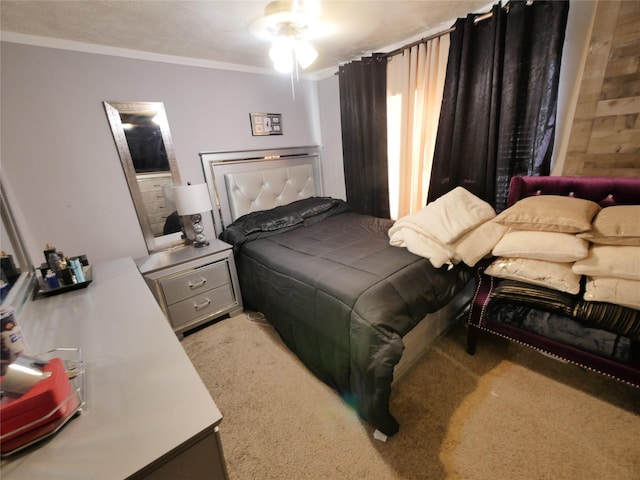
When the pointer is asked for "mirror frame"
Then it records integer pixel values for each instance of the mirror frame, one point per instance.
(113, 110)
(23, 287)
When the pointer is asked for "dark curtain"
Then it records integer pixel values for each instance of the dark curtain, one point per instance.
(363, 112)
(500, 97)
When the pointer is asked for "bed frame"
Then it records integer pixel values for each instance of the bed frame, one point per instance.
(245, 181)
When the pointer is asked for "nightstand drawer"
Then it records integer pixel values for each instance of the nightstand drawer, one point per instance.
(193, 285)
(202, 305)
(195, 281)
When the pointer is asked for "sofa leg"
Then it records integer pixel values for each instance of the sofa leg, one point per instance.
(472, 339)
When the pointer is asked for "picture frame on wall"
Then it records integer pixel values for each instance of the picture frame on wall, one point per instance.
(266, 123)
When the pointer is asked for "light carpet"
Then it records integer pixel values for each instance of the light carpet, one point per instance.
(507, 412)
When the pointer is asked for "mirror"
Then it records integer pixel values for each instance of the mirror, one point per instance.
(18, 274)
(142, 136)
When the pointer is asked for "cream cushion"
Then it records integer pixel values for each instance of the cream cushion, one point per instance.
(537, 245)
(619, 291)
(550, 213)
(617, 225)
(620, 261)
(554, 275)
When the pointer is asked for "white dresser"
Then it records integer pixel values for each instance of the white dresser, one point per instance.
(154, 200)
(193, 285)
(147, 413)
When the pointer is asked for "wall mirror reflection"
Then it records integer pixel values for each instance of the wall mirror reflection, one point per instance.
(18, 274)
(142, 137)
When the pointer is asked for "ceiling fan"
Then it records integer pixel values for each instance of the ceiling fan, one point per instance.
(290, 25)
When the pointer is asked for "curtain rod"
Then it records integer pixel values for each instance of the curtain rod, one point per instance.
(478, 19)
(418, 42)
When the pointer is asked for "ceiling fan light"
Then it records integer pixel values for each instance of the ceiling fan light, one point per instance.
(281, 55)
(305, 54)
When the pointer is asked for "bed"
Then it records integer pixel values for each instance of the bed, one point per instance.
(355, 310)
(582, 327)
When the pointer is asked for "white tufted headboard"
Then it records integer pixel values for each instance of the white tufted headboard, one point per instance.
(265, 189)
(248, 181)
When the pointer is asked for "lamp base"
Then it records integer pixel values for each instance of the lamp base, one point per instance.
(200, 239)
(200, 244)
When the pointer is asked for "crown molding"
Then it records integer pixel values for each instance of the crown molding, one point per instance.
(60, 44)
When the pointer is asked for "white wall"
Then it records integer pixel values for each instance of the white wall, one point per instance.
(59, 158)
(574, 57)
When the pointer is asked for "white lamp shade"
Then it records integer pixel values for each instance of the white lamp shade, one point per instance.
(192, 199)
(305, 54)
(281, 55)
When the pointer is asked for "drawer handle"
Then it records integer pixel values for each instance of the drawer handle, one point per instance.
(193, 286)
(202, 305)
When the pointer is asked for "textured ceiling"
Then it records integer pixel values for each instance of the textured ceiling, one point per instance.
(219, 31)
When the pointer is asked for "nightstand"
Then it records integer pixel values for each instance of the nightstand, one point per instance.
(193, 285)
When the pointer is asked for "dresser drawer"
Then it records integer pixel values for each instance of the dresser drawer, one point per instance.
(195, 281)
(200, 306)
(150, 183)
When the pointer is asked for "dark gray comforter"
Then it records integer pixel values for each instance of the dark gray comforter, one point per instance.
(338, 294)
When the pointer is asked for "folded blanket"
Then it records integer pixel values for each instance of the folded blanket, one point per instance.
(443, 230)
(608, 316)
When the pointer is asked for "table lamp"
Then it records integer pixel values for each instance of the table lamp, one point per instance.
(193, 200)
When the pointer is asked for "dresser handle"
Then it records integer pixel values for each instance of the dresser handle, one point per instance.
(193, 286)
(204, 304)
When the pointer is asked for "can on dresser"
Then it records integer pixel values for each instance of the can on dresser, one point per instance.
(13, 343)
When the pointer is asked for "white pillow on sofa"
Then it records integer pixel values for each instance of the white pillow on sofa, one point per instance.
(619, 261)
(538, 245)
(554, 275)
(619, 291)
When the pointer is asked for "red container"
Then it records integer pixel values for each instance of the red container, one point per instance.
(39, 412)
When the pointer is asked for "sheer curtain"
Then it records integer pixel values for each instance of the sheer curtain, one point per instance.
(415, 82)
(500, 98)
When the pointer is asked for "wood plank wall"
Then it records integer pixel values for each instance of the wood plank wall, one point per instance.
(605, 136)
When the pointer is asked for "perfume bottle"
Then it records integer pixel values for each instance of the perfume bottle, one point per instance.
(76, 267)
(48, 250)
(65, 272)
(52, 280)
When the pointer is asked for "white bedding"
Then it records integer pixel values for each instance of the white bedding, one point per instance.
(456, 227)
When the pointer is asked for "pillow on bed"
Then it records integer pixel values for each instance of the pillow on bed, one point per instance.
(473, 246)
(555, 275)
(550, 213)
(620, 261)
(309, 207)
(616, 225)
(619, 291)
(537, 245)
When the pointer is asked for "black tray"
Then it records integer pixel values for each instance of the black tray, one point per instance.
(45, 291)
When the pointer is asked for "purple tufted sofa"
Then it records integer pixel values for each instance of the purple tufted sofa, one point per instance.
(485, 316)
